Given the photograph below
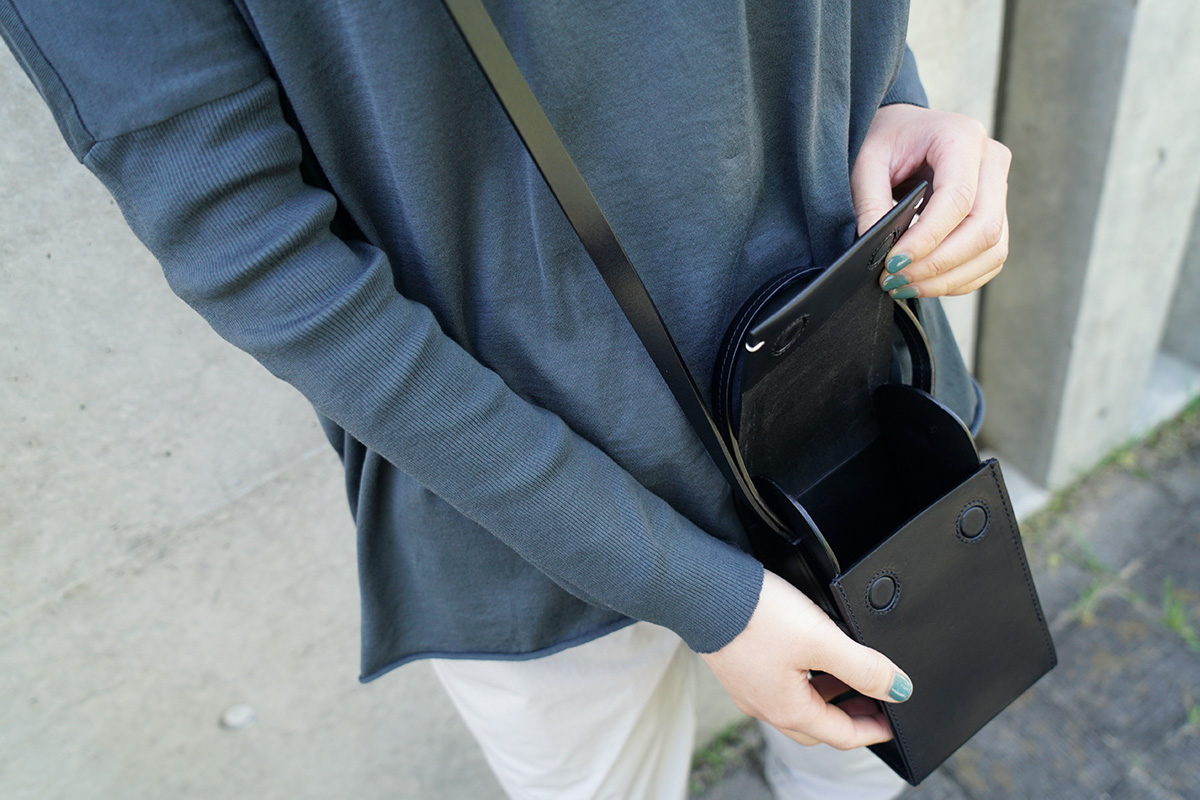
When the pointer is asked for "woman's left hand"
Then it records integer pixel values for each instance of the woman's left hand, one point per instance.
(960, 241)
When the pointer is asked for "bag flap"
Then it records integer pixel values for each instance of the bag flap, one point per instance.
(801, 361)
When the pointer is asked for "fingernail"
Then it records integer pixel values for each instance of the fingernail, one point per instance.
(898, 262)
(907, 293)
(894, 282)
(901, 688)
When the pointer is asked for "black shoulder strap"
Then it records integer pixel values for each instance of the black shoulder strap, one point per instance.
(596, 234)
(605, 250)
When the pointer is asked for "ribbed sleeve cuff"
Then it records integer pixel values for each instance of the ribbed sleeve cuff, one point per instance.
(721, 616)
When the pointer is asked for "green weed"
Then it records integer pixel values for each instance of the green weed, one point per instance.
(1175, 615)
(1084, 607)
(728, 748)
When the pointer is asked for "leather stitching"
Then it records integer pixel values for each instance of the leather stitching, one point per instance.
(1020, 553)
(899, 733)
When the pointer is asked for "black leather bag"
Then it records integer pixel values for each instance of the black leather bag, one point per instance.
(890, 521)
(863, 491)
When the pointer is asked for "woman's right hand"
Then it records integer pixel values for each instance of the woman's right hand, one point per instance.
(766, 671)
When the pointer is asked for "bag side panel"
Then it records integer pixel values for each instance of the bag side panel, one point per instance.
(965, 622)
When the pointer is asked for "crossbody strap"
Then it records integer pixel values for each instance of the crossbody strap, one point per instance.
(597, 236)
(601, 244)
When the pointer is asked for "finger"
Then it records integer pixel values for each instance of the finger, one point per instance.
(828, 686)
(963, 279)
(859, 706)
(871, 187)
(842, 730)
(984, 230)
(837, 693)
(806, 716)
(970, 287)
(867, 729)
(937, 278)
(862, 668)
(955, 162)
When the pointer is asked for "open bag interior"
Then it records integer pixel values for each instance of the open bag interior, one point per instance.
(839, 450)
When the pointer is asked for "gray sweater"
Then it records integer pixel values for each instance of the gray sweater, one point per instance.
(334, 188)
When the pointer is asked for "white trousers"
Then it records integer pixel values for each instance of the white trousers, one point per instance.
(615, 718)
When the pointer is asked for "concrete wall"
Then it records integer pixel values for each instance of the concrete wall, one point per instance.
(1182, 336)
(1101, 111)
(957, 45)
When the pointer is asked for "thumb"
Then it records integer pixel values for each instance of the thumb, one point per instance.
(871, 189)
(866, 671)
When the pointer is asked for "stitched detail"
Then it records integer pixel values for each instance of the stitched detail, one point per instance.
(1020, 552)
(850, 611)
(895, 597)
(887, 707)
(151, 125)
(986, 527)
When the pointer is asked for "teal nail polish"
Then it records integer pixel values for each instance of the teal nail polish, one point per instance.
(894, 282)
(898, 262)
(901, 688)
(907, 293)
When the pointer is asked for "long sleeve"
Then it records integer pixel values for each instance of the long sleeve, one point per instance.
(907, 87)
(174, 108)
(520, 475)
